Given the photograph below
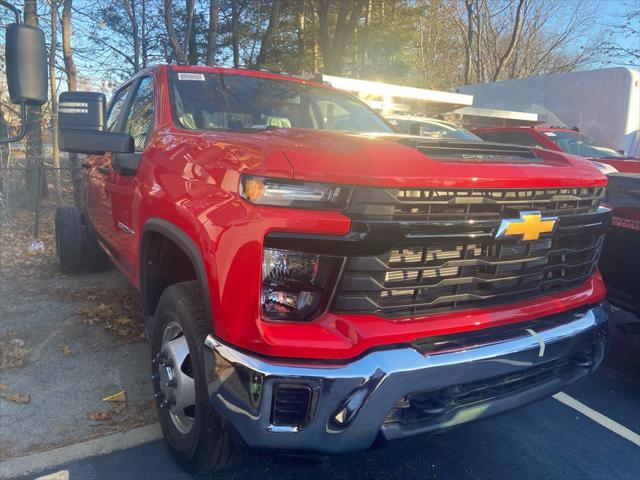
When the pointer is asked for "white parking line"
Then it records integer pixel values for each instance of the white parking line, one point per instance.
(597, 417)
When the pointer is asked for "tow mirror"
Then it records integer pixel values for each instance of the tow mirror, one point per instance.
(26, 68)
(26, 64)
(81, 120)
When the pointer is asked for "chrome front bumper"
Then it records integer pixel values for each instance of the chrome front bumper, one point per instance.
(352, 403)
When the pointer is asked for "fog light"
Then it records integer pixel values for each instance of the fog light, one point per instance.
(291, 405)
(295, 285)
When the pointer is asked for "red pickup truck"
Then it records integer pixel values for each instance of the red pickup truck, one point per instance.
(314, 281)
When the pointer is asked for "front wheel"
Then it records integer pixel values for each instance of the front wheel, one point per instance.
(193, 430)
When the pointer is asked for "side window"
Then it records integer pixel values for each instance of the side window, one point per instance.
(140, 117)
(117, 102)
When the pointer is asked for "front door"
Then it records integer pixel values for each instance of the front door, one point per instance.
(99, 172)
(122, 183)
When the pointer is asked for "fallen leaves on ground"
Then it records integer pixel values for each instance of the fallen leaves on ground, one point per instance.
(117, 311)
(15, 397)
(16, 237)
(12, 351)
(101, 416)
(119, 402)
(66, 350)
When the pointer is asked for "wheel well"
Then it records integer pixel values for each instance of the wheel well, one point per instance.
(163, 263)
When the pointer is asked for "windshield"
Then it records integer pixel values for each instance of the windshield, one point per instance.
(216, 101)
(434, 129)
(577, 143)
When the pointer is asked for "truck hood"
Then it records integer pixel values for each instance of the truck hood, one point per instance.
(387, 160)
(405, 160)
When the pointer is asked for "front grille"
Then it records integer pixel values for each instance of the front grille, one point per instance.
(448, 204)
(448, 258)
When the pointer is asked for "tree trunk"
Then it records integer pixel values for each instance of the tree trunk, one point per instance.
(267, 38)
(212, 34)
(300, 34)
(235, 14)
(144, 41)
(190, 45)
(515, 35)
(33, 127)
(176, 46)
(72, 84)
(349, 12)
(130, 8)
(55, 153)
(322, 9)
(469, 41)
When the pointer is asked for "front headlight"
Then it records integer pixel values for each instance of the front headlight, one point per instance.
(296, 286)
(289, 193)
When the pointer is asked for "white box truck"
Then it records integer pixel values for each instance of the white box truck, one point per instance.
(605, 104)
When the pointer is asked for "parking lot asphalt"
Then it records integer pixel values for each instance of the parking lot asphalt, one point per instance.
(545, 440)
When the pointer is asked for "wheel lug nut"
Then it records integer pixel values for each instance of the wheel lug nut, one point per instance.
(155, 376)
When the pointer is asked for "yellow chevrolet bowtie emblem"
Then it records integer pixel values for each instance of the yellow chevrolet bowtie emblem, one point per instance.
(530, 225)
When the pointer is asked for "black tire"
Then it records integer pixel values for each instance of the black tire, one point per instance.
(94, 257)
(207, 446)
(69, 239)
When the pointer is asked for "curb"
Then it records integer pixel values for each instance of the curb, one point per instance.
(16, 467)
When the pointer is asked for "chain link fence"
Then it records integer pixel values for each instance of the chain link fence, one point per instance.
(27, 212)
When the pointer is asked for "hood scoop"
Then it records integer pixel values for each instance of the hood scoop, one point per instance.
(469, 151)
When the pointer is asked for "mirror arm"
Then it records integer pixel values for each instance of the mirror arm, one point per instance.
(23, 125)
(15, 11)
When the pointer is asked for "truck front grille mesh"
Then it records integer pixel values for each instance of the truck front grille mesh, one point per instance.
(450, 259)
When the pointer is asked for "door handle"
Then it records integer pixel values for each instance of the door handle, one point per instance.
(85, 165)
(105, 170)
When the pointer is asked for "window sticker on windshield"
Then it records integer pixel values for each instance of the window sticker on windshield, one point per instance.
(198, 77)
(550, 134)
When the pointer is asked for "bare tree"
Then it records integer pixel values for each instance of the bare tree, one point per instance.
(515, 35)
(623, 45)
(186, 49)
(212, 33)
(267, 37)
(235, 43)
(333, 50)
(129, 6)
(176, 46)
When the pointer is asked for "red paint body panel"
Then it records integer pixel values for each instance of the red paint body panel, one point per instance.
(191, 179)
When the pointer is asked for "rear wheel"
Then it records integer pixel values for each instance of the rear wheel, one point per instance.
(193, 430)
(69, 239)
